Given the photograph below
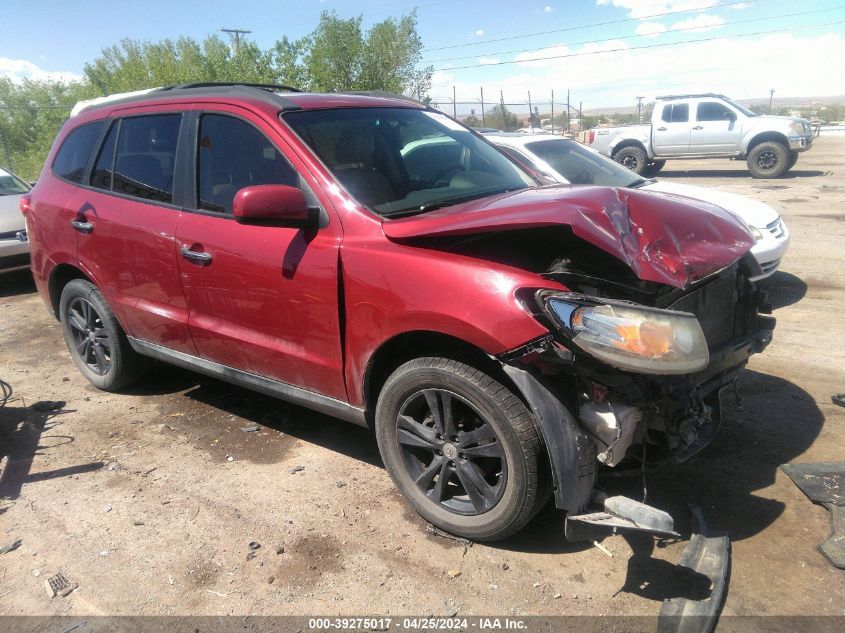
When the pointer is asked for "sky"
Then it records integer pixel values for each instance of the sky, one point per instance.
(605, 52)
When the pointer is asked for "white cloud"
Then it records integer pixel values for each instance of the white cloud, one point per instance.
(740, 5)
(650, 28)
(19, 69)
(646, 8)
(741, 68)
(701, 22)
(487, 61)
(548, 9)
(479, 32)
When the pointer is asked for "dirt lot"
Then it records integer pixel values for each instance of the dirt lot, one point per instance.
(150, 499)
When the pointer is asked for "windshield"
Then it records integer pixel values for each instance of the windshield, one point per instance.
(582, 166)
(741, 108)
(399, 161)
(10, 184)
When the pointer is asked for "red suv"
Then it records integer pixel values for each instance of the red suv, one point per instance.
(371, 258)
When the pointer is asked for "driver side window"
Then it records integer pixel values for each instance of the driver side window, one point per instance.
(231, 155)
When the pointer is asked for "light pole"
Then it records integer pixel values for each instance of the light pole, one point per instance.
(771, 95)
(640, 109)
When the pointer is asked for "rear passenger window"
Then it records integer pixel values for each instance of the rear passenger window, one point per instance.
(72, 157)
(146, 153)
(101, 177)
(231, 155)
(712, 111)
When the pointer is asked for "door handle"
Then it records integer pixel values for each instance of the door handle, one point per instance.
(82, 226)
(698, 127)
(195, 257)
(662, 129)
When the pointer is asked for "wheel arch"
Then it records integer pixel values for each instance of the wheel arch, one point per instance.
(764, 137)
(418, 343)
(60, 277)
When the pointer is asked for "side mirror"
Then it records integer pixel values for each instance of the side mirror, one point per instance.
(280, 205)
(729, 116)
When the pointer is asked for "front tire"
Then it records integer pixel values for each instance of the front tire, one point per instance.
(634, 158)
(95, 340)
(768, 160)
(461, 448)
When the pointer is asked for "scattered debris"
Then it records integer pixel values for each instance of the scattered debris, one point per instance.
(340, 483)
(536, 584)
(254, 545)
(453, 573)
(280, 549)
(48, 405)
(296, 469)
(250, 556)
(505, 566)
(113, 466)
(839, 399)
(271, 580)
(138, 523)
(252, 428)
(10, 547)
(104, 552)
(556, 596)
(438, 532)
(824, 483)
(106, 508)
(229, 458)
(59, 585)
(603, 549)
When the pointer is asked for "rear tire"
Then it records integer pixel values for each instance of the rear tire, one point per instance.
(95, 340)
(768, 160)
(632, 157)
(476, 471)
(653, 167)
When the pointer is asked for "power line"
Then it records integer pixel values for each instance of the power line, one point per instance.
(583, 26)
(636, 48)
(631, 37)
(235, 34)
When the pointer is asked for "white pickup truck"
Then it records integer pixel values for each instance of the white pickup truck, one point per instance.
(706, 126)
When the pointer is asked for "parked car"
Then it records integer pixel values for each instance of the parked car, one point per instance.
(14, 247)
(706, 126)
(572, 162)
(502, 339)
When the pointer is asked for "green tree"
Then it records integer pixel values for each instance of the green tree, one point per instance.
(501, 118)
(472, 121)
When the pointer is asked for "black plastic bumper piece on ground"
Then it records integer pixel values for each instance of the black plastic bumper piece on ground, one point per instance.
(618, 514)
(824, 483)
(708, 553)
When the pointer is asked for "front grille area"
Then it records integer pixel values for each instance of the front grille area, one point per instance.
(776, 228)
(770, 266)
(726, 307)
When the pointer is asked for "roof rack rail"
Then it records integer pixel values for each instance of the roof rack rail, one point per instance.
(223, 84)
(383, 93)
(692, 96)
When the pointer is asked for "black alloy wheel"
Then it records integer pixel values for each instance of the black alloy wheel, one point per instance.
(91, 341)
(452, 453)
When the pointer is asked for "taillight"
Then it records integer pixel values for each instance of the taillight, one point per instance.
(591, 137)
(25, 204)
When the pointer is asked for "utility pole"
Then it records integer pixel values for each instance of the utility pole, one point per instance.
(235, 34)
(483, 120)
(771, 95)
(504, 112)
(640, 109)
(530, 111)
(553, 111)
(454, 103)
(567, 110)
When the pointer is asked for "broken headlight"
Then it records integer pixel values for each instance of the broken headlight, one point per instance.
(632, 337)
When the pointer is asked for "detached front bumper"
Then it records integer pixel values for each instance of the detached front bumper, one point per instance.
(800, 143)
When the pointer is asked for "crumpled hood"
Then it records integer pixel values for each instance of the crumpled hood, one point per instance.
(662, 238)
(748, 210)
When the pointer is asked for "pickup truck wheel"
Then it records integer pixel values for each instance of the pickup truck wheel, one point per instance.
(768, 160)
(95, 340)
(793, 158)
(653, 167)
(633, 158)
(461, 447)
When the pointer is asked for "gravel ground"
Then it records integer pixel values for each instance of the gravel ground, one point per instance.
(149, 500)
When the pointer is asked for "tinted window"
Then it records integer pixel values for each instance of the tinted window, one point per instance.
(712, 111)
(231, 155)
(11, 184)
(101, 177)
(146, 152)
(73, 155)
(680, 113)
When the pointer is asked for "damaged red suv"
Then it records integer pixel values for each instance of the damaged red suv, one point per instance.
(370, 258)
